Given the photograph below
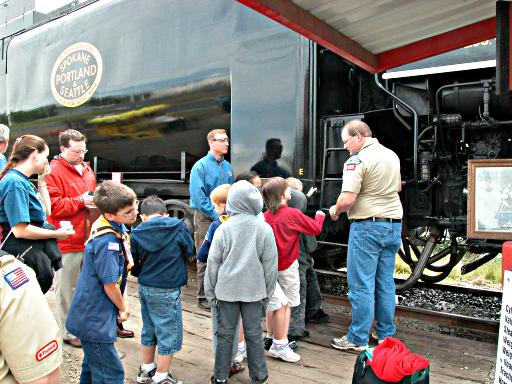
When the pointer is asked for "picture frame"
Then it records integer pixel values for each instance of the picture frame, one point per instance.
(489, 203)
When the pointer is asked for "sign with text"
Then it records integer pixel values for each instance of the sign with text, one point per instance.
(503, 374)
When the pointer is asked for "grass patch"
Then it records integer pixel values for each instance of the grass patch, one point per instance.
(488, 275)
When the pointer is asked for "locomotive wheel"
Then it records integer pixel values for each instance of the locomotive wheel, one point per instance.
(181, 210)
(419, 252)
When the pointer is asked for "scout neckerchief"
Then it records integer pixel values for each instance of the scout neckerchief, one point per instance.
(223, 218)
(102, 226)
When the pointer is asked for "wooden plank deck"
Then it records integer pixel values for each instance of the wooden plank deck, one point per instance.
(453, 360)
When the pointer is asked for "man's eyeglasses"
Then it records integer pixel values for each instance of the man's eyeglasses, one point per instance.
(225, 140)
(131, 211)
(345, 142)
(80, 152)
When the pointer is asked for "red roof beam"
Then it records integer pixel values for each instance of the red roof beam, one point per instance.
(299, 20)
(435, 45)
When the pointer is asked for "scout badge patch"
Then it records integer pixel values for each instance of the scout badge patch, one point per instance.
(352, 163)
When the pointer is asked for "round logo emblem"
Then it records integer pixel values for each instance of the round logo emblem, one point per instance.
(76, 74)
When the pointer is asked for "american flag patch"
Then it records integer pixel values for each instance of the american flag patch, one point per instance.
(113, 246)
(16, 278)
(350, 167)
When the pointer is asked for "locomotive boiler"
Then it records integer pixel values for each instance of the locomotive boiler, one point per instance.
(146, 80)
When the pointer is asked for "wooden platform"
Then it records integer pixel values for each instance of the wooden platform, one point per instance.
(453, 360)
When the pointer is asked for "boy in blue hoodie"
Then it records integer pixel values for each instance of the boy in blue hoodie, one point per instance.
(161, 246)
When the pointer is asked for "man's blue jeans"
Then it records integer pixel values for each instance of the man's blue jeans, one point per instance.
(372, 247)
(101, 364)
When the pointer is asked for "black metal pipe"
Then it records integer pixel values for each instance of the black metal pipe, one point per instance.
(422, 262)
(416, 122)
(397, 114)
(471, 266)
(454, 85)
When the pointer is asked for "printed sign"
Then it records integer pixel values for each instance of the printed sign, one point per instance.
(76, 74)
(503, 374)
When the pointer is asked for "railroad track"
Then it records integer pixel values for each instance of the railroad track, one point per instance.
(487, 327)
(487, 292)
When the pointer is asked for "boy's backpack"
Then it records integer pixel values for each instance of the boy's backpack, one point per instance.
(363, 374)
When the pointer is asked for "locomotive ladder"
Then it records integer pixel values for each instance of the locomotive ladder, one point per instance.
(327, 151)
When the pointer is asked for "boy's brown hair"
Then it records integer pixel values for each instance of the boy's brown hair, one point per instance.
(111, 197)
(220, 194)
(294, 183)
(273, 192)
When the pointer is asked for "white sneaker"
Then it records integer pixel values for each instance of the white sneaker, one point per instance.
(240, 356)
(284, 353)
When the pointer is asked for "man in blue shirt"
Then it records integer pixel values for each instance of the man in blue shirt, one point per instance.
(207, 174)
(4, 142)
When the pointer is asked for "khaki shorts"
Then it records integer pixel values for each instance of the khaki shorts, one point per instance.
(287, 288)
(30, 345)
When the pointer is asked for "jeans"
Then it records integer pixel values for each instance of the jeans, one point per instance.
(215, 326)
(310, 296)
(228, 314)
(201, 225)
(162, 322)
(101, 364)
(372, 247)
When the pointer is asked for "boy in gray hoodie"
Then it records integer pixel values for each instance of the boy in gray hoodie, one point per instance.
(241, 275)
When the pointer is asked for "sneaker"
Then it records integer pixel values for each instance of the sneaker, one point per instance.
(263, 381)
(319, 317)
(213, 380)
(294, 346)
(168, 380)
(374, 336)
(204, 304)
(236, 367)
(298, 337)
(344, 344)
(284, 353)
(267, 343)
(74, 342)
(241, 355)
(144, 376)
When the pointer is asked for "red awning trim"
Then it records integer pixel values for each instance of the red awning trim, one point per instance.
(301, 21)
(297, 19)
(435, 45)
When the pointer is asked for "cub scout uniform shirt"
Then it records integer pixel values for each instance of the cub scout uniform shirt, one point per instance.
(92, 316)
(30, 344)
(374, 174)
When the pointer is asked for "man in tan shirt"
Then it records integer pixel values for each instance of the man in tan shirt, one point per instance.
(369, 195)
(30, 344)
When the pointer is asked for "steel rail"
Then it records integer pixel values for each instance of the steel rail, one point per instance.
(485, 292)
(433, 317)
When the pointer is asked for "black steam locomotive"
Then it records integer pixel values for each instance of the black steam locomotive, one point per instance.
(145, 80)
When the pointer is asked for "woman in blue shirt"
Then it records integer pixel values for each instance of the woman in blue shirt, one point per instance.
(23, 210)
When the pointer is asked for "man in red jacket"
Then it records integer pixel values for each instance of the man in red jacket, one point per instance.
(69, 185)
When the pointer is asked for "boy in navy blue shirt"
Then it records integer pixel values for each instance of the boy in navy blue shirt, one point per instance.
(161, 246)
(98, 302)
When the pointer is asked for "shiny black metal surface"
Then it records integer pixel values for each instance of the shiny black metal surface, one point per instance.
(172, 71)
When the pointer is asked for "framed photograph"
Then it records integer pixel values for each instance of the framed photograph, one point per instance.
(490, 199)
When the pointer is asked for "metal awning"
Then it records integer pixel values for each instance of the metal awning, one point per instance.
(381, 34)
